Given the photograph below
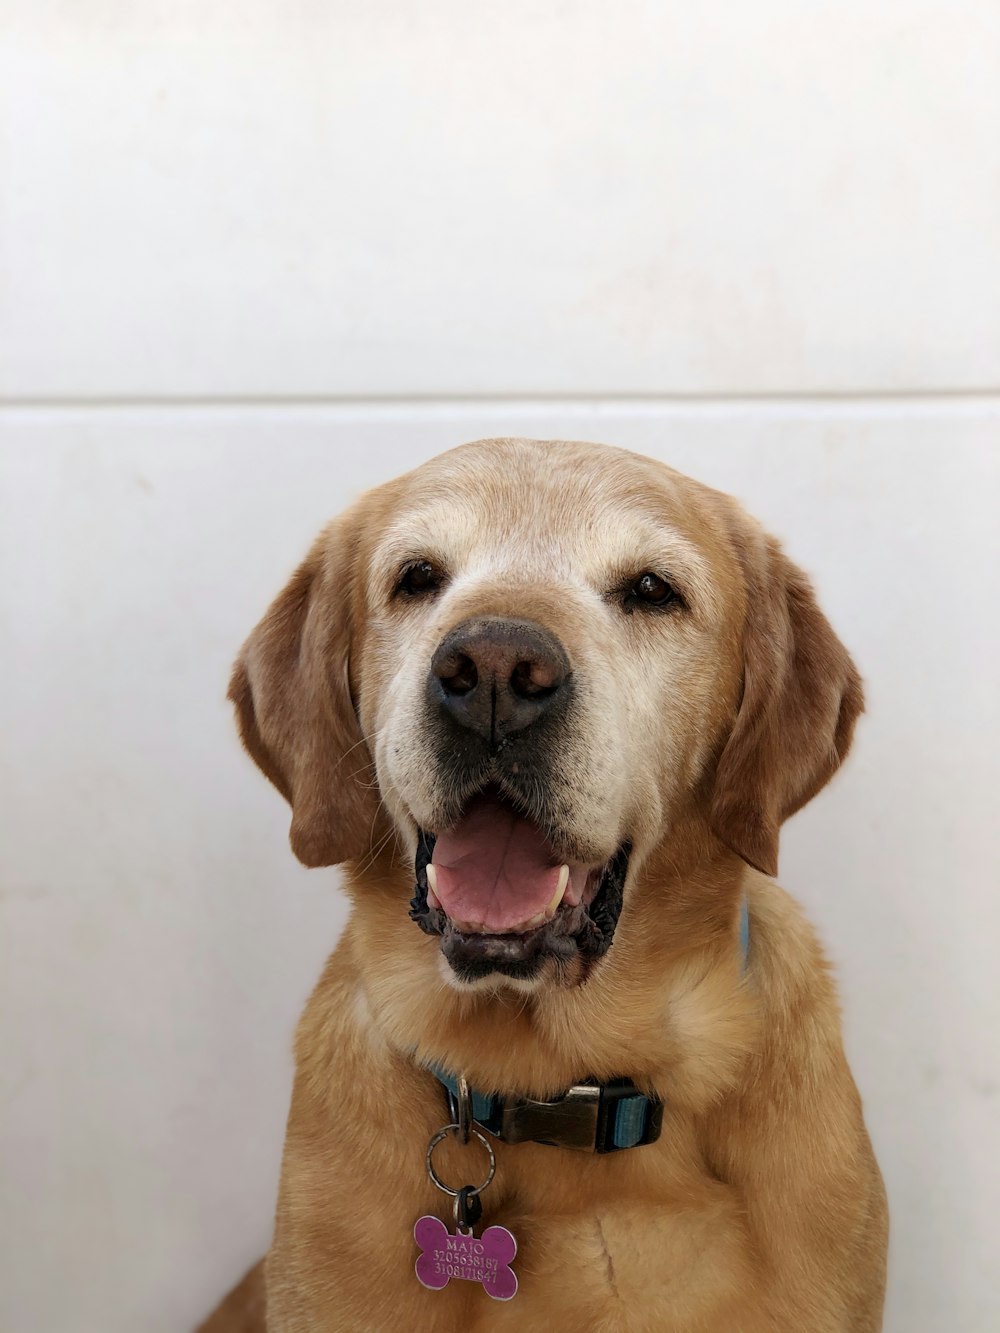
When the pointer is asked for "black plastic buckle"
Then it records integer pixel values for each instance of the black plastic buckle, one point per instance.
(584, 1118)
(612, 1094)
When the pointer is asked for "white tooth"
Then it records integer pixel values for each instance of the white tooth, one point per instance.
(470, 927)
(432, 883)
(536, 920)
(557, 897)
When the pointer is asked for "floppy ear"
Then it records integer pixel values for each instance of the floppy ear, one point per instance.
(801, 698)
(291, 688)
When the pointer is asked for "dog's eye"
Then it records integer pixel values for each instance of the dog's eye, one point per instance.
(650, 590)
(419, 579)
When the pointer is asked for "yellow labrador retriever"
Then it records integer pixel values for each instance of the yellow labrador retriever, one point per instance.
(570, 695)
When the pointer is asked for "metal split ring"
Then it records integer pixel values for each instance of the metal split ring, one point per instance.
(464, 1099)
(443, 1133)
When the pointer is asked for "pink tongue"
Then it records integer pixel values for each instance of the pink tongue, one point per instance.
(494, 869)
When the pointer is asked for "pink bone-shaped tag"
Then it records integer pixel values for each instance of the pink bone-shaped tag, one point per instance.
(486, 1258)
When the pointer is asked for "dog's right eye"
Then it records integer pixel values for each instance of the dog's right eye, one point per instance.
(419, 579)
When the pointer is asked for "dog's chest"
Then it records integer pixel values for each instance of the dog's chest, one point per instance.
(624, 1265)
(658, 1265)
(627, 1268)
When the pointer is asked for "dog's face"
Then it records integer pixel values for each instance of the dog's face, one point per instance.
(534, 663)
(549, 655)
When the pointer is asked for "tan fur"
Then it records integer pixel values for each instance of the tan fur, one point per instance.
(761, 1206)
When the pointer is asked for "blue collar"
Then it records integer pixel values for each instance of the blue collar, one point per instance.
(744, 929)
(591, 1117)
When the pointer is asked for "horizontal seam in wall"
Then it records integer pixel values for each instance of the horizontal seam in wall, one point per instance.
(527, 401)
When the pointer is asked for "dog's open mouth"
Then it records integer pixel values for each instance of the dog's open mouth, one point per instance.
(504, 900)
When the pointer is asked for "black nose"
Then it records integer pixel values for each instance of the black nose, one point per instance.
(497, 676)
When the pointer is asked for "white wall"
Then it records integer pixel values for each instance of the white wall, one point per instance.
(255, 257)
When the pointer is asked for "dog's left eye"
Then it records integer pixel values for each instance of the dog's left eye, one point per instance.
(651, 590)
(419, 579)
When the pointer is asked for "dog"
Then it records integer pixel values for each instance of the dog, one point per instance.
(548, 705)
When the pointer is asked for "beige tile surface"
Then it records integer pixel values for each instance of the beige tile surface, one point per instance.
(252, 198)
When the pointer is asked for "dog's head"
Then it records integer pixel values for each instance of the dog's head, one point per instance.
(537, 664)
